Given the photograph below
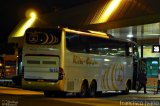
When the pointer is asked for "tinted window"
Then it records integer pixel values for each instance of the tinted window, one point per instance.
(95, 45)
(76, 43)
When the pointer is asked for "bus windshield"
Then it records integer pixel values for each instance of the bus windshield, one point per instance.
(43, 37)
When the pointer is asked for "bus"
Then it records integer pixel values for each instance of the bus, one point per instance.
(62, 60)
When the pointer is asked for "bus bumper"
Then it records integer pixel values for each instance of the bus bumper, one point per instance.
(49, 86)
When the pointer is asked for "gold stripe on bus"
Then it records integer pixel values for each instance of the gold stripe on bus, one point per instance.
(108, 78)
(51, 39)
(105, 78)
(46, 39)
(112, 77)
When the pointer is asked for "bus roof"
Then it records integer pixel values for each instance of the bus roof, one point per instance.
(98, 34)
(86, 32)
(89, 33)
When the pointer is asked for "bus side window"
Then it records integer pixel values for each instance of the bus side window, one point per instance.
(68, 43)
(76, 43)
(94, 51)
(84, 42)
(117, 48)
(97, 46)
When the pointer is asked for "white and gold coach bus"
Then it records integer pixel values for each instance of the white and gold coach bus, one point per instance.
(62, 60)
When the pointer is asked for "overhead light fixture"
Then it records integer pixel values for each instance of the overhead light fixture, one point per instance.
(106, 11)
(31, 13)
(130, 36)
(31, 16)
(107, 60)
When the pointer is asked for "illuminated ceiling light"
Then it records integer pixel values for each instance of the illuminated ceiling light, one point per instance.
(30, 13)
(107, 60)
(31, 17)
(107, 11)
(26, 25)
(129, 36)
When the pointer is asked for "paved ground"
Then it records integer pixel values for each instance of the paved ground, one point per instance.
(19, 97)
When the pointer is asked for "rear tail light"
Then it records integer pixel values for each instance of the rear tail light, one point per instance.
(61, 73)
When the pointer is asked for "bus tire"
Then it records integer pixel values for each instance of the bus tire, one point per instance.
(84, 90)
(47, 93)
(93, 89)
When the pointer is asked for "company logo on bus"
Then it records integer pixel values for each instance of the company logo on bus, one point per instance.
(41, 38)
(33, 38)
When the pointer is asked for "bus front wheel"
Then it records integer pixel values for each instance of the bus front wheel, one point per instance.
(93, 89)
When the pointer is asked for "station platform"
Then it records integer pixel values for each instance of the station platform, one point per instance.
(151, 93)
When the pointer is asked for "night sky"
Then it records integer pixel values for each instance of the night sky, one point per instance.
(12, 11)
